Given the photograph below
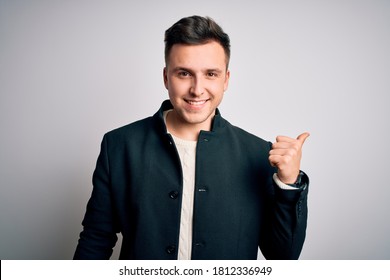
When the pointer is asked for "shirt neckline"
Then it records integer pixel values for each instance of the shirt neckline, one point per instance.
(178, 141)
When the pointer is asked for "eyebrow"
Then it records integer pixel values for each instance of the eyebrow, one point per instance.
(177, 69)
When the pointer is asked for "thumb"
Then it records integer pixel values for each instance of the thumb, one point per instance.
(302, 137)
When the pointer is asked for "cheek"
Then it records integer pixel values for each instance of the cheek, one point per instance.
(217, 88)
(177, 88)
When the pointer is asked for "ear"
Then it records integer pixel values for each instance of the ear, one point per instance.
(165, 77)
(226, 83)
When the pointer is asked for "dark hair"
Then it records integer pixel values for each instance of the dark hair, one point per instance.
(196, 30)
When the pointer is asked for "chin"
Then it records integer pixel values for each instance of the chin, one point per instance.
(199, 119)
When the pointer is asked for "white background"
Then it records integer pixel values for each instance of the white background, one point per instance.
(72, 70)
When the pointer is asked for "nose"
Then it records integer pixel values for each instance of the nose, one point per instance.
(197, 87)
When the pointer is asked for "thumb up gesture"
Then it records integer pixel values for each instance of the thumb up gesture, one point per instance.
(286, 155)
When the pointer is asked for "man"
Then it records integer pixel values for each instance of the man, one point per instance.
(185, 183)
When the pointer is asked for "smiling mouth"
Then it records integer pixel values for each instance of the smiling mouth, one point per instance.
(196, 102)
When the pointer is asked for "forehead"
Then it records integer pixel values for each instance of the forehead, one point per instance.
(210, 54)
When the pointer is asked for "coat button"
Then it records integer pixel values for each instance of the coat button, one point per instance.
(171, 249)
(173, 194)
(199, 244)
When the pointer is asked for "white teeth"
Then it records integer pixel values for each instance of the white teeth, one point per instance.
(196, 102)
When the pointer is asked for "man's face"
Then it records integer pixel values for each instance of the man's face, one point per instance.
(196, 79)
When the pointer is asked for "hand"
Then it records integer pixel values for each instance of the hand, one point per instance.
(286, 155)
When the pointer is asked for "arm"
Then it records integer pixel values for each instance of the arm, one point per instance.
(286, 209)
(284, 230)
(99, 234)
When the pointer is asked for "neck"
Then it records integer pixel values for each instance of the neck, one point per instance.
(183, 130)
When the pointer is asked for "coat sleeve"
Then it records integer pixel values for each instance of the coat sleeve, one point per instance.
(98, 236)
(284, 231)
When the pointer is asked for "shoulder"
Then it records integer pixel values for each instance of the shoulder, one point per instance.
(248, 148)
(245, 137)
(135, 129)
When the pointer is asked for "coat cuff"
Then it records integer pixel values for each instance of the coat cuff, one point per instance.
(303, 182)
(282, 185)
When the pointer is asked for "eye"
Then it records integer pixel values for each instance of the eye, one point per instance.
(212, 74)
(184, 74)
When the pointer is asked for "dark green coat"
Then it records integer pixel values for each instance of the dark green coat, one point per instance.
(237, 207)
